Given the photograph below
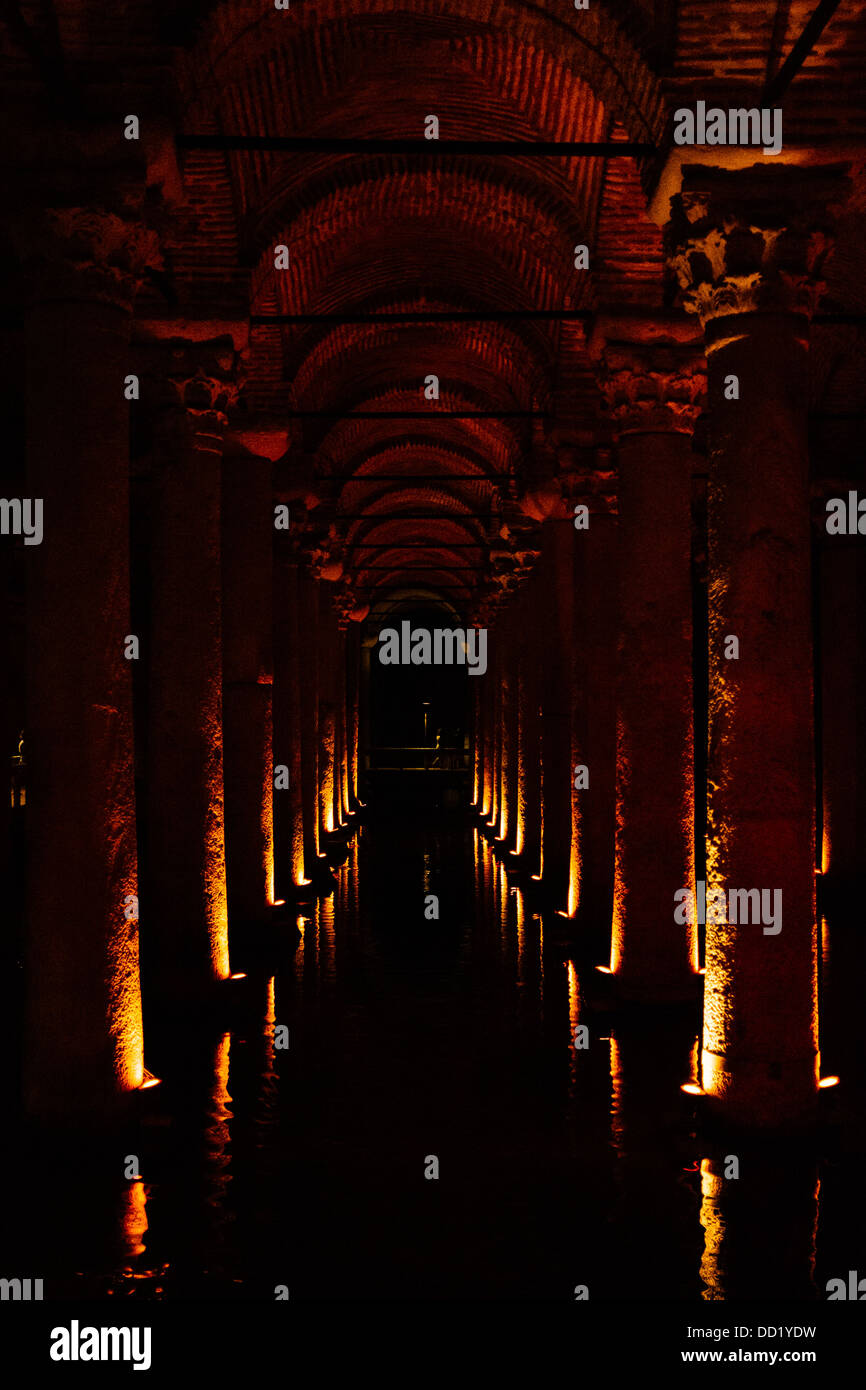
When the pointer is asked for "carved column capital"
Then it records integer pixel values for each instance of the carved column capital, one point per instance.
(753, 240)
(651, 373)
(192, 387)
(83, 253)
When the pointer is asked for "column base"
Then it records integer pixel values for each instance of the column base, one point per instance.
(761, 1094)
(641, 989)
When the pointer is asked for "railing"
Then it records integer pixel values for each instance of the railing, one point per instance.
(417, 759)
(17, 785)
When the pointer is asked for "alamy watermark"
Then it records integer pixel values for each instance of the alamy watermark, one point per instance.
(444, 646)
(757, 126)
(739, 906)
(22, 516)
(77, 1343)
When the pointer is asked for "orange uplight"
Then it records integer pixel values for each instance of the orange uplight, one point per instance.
(239, 976)
(604, 970)
(827, 1081)
(279, 902)
(692, 1088)
(149, 1082)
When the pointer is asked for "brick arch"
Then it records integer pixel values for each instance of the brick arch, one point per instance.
(591, 46)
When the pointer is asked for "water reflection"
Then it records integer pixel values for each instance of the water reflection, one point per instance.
(455, 1036)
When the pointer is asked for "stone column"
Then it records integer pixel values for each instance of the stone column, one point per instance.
(327, 784)
(488, 752)
(596, 570)
(747, 246)
(83, 1040)
(652, 379)
(842, 587)
(555, 621)
(477, 746)
(529, 701)
(247, 596)
(309, 648)
(353, 678)
(186, 922)
(495, 667)
(343, 720)
(509, 735)
(291, 810)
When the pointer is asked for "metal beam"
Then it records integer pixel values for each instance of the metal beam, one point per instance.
(416, 414)
(812, 31)
(431, 316)
(294, 144)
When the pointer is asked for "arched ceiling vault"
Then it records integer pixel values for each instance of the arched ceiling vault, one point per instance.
(383, 234)
(404, 480)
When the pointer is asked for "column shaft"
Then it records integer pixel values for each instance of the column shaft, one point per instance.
(556, 623)
(290, 808)
(651, 954)
(760, 1008)
(83, 1046)
(309, 643)
(186, 936)
(247, 519)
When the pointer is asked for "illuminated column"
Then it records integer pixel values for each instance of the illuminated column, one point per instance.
(291, 810)
(83, 1042)
(747, 246)
(327, 784)
(529, 776)
(488, 697)
(509, 738)
(495, 667)
(186, 919)
(477, 691)
(343, 718)
(521, 781)
(247, 569)
(353, 676)
(555, 623)
(842, 583)
(652, 379)
(597, 575)
(308, 647)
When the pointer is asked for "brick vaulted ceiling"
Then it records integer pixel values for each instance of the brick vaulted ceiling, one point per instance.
(385, 234)
(476, 233)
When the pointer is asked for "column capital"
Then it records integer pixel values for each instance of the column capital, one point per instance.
(753, 240)
(651, 372)
(192, 387)
(90, 253)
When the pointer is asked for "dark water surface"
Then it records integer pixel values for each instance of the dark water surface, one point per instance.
(410, 1038)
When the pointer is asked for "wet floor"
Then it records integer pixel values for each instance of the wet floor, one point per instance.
(413, 1039)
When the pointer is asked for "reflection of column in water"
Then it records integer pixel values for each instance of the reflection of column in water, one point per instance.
(712, 1220)
(655, 1210)
(478, 859)
(520, 922)
(502, 896)
(217, 1134)
(573, 1021)
(133, 1218)
(268, 1086)
(760, 1229)
(617, 1130)
(327, 939)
